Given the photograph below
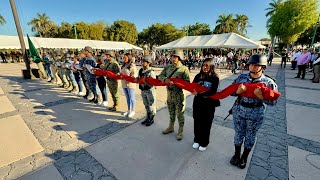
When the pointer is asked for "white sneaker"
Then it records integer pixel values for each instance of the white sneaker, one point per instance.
(131, 114)
(202, 148)
(81, 94)
(195, 145)
(125, 113)
(104, 103)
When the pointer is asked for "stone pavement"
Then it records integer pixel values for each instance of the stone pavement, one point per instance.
(47, 133)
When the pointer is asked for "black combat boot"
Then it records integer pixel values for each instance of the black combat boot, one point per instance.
(243, 161)
(236, 157)
(146, 120)
(151, 121)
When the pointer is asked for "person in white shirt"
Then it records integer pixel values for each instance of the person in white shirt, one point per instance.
(294, 59)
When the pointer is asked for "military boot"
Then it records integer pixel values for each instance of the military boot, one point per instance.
(236, 157)
(150, 121)
(170, 129)
(180, 134)
(147, 119)
(114, 108)
(243, 161)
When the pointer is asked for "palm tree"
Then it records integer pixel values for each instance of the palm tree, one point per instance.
(242, 22)
(272, 7)
(271, 10)
(2, 20)
(41, 24)
(225, 24)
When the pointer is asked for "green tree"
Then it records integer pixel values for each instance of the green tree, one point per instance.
(272, 8)
(270, 11)
(306, 37)
(242, 23)
(2, 20)
(65, 30)
(122, 30)
(197, 29)
(225, 24)
(159, 34)
(41, 25)
(292, 18)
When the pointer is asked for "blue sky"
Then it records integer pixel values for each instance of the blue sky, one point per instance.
(141, 12)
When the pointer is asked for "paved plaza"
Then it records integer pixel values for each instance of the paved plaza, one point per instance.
(48, 133)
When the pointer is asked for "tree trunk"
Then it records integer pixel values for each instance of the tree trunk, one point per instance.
(272, 44)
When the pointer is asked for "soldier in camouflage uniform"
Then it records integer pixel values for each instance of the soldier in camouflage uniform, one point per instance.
(62, 72)
(148, 92)
(89, 64)
(54, 69)
(112, 65)
(46, 63)
(248, 113)
(176, 99)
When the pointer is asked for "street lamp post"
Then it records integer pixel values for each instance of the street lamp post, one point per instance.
(17, 22)
(315, 32)
(75, 31)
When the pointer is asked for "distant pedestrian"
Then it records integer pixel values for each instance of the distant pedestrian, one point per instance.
(284, 57)
(302, 62)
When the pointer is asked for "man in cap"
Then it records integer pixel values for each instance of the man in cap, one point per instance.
(89, 64)
(148, 92)
(112, 65)
(248, 113)
(176, 99)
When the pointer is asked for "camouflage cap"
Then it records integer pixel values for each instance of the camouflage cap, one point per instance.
(88, 48)
(110, 52)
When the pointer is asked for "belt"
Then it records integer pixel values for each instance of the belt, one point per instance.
(251, 105)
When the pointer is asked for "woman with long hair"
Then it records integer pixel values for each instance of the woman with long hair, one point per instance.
(204, 107)
(129, 68)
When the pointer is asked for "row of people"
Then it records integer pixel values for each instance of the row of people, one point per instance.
(248, 113)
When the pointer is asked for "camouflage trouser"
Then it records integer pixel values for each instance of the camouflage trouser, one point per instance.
(176, 105)
(113, 88)
(149, 100)
(63, 77)
(42, 71)
(247, 122)
(55, 73)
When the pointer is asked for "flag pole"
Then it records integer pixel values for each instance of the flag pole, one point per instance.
(17, 22)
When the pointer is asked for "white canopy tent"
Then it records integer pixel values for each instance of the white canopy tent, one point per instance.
(227, 40)
(12, 42)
